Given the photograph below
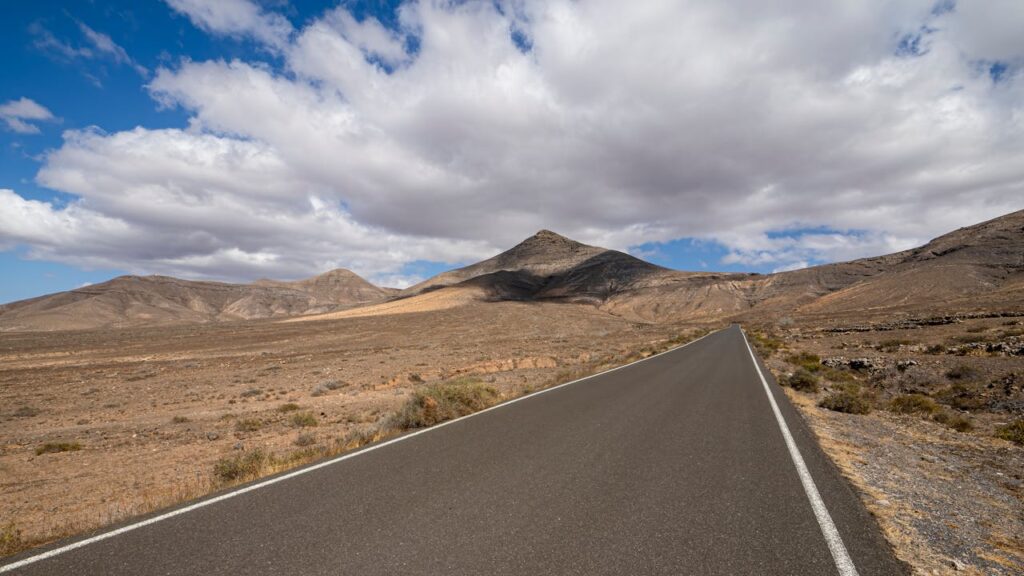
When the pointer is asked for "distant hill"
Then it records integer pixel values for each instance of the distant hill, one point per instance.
(543, 254)
(141, 300)
(980, 267)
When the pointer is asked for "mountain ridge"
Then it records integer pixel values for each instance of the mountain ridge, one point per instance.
(976, 265)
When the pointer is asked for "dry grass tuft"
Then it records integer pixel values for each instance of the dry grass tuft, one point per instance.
(848, 399)
(914, 404)
(439, 402)
(55, 447)
(1014, 431)
(801, 380)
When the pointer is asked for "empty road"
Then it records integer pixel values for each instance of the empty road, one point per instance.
(678, 464)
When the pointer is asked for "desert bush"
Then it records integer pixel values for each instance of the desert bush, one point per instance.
(179, 420)
(914, 404)
(304, 419)
(26, 412)
(969, 339)
(251, 392)
(289, 407)
(439, 402)
(837, 375)
(10, 539)
(248, 425)
(809, 362)
(765, 344)
(360, 436)
(241, 467)
(957, 422)
(1014, 431)
(55, 447)
(326, 386)
(801, 380)
(848, 399)
(892, 345)
(305, 439)
(961, 372)
(962, 397)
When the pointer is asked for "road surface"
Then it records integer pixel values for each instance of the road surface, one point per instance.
(674, 465)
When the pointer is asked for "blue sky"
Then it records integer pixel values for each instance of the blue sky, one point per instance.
(238, 139)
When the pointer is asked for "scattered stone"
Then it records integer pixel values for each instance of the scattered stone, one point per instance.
(862, 364)
(835, 362)
(902, 365)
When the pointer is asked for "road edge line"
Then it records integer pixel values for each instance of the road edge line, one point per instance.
(840, 555)
(307, 469)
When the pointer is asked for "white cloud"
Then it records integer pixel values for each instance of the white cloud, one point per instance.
(105, 45)
(19, 115)
(100, 46)
(622, 124)
(235, 18)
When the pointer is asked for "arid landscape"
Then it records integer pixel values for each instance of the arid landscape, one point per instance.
(124, 397)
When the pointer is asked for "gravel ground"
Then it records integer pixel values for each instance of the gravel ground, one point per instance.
(949, 502)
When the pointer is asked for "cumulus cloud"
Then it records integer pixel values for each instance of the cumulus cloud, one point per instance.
(20, 114)
(236, 18)
(473, 124)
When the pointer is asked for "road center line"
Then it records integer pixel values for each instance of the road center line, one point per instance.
(828, 528)
(308, 469)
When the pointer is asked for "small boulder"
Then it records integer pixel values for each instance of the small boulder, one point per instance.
(862, 364)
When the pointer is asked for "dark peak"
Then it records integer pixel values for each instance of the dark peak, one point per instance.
(548, 238)
(546, 234)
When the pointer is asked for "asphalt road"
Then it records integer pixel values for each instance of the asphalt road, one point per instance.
(674, 465)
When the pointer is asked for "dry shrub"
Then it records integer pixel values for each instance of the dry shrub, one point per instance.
(439, 402)
(957, 422)
(304, 419)
(1014, 431)
(801, 380)
(241, 467)
(914, 404)
(848, 399)
(55, 447)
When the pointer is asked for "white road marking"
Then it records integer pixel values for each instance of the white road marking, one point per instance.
(828, 528)
(308, 469)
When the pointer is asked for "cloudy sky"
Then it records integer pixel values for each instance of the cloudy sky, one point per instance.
(238, 139)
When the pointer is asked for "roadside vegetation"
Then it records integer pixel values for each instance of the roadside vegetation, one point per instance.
(57, 447)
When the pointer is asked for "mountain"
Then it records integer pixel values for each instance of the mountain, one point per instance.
(143, 300)
(543, 254)
(980, 267)
(338, 286)
(551, 267)
(977, 268)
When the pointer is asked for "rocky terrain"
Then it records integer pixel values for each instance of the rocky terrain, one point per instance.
(926, 417)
